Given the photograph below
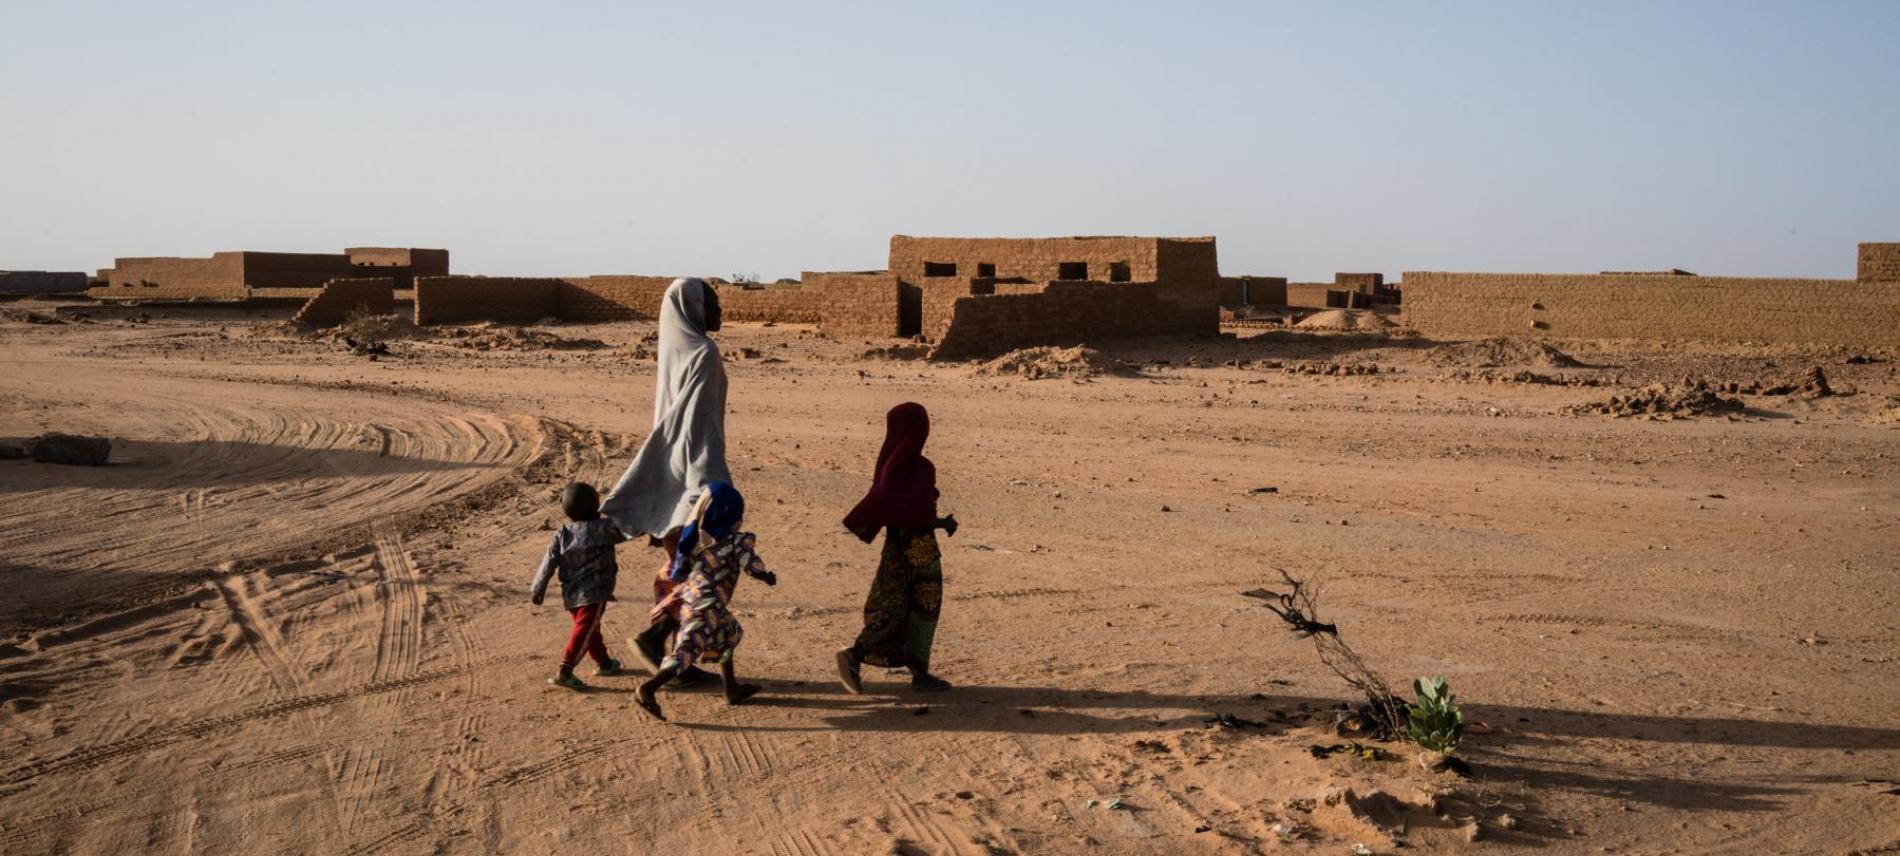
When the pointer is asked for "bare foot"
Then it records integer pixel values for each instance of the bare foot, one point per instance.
(643, 698)
(744, 691)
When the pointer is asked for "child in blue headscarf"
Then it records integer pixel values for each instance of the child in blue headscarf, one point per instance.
(712, 554)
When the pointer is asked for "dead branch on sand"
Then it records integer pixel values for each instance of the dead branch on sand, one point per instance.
(1383, 714)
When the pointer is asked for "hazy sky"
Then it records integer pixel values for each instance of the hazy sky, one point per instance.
(718, 138)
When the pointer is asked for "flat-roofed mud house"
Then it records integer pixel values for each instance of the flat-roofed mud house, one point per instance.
(970, 296)
(244, 274)
(975, 296)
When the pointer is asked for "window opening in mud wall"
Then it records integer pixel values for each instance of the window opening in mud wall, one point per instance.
(1072, 270)
(940, 268)
(985, 269)
(1117, 271)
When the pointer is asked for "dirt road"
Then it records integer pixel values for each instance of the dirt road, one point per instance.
(292, 615)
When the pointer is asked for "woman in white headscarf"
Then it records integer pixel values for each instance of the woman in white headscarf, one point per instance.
(687, 449)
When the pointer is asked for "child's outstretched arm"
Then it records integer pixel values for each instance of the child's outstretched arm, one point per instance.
(755, 567)
(539, 590)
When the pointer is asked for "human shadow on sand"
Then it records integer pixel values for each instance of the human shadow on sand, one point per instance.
(1519, 753)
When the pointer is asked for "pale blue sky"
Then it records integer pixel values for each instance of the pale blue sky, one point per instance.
(579, 138)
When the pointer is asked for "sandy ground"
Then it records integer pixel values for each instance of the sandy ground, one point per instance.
(292, 615)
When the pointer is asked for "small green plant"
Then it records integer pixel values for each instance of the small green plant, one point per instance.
(1435, 722)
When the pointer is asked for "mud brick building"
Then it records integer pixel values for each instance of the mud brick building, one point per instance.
(970, 296)
(977, 296)
(245, 274)
(1857, 312)
(42, 281)
(402, 264)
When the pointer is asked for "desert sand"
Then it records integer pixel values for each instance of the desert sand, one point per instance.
(292, 615)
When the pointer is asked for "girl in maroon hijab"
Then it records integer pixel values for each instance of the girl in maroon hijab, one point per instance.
(900, 615)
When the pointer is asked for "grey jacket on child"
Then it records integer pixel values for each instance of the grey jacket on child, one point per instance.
(583, 554)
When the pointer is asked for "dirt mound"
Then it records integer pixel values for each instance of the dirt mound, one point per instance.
(1487, 353)
(1073, 363)
(375, 328)
(1664, 401)
(1344, 319)
(488, 336)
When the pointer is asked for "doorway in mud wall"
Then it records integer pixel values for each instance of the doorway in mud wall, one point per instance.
(910, 310)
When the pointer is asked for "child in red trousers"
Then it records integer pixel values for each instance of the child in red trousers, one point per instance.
(582, 554)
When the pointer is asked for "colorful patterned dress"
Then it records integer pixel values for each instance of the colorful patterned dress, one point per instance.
(708, 629)
(900, 615)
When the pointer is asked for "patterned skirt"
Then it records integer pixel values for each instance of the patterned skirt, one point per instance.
(708, 635)
(900, 615)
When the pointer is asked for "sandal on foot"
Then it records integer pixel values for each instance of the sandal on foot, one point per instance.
(568, 682)
(848, 672)
(607, 669)
(648, 705)
(928, 684)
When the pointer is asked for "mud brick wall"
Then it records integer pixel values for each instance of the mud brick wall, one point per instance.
(1879, 263)
(339, 298)
(42, 281)
(169, 278)
(1720, 309)
(939, 297)
(293, 270)
(857, 304)
(1070, 313)
(777, 304)
(1364, 283)
(593, 299)
(1035, 259)
(1315, 295)
(403, 264)
(468, 299)
(1253, 291)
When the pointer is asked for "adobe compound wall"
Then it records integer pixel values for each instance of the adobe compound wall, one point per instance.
(1674, 308)
(1879, 263)
(1072, 313)
(340, 298)
(42, 281)
(470, 299)
(233, 275)
(841, 304)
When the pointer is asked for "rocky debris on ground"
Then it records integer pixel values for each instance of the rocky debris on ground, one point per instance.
(1351, 320)
(1520, 376)
(1490, 353)
(1812, 384)
(1076, 363)
(897, 352)
(72, 450)
(489, 336)
(1664, 401)
(648, 347)
(1330, 369)
(366, 349)
(23, 315)
(375, 328)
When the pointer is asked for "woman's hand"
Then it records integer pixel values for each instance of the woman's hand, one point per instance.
(665, 606)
